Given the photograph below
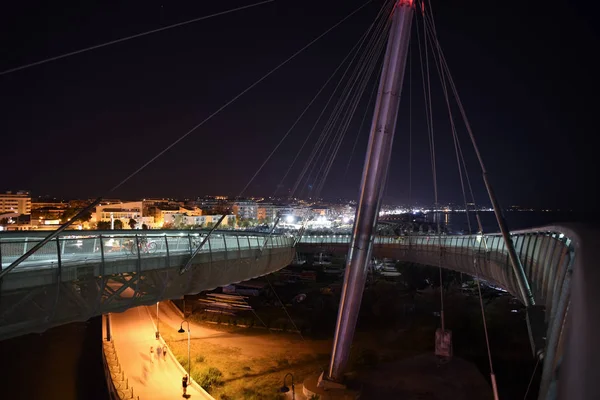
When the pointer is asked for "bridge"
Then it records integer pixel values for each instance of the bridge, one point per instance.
(79, 274)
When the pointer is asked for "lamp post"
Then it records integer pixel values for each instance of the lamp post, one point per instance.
(285, 389)
(157, 330)
(181, 330)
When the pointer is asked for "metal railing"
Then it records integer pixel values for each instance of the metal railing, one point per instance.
(559, 262)
(100, 247)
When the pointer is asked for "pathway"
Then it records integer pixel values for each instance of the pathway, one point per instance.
(133, 334)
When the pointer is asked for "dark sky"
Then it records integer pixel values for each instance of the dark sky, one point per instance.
(527, 73)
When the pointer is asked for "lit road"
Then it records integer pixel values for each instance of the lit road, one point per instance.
(133, 334)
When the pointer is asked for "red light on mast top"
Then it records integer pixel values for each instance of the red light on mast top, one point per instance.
(409, 3)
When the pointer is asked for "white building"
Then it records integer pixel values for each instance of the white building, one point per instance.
(124, 212)
(199, 220)
(245, 209)
(19, 202)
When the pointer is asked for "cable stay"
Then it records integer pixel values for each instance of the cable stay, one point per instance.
(322, 138)
(443, 337)
(342, 115)
(167, 148)
(137, 35)
(362, 123)
(445, 77)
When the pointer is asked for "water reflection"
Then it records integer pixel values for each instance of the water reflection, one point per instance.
(458, 222)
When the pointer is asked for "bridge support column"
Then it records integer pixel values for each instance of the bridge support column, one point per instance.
(371, 190)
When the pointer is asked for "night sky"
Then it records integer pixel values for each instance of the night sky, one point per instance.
(526, 71)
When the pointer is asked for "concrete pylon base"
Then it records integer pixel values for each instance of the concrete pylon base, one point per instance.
(327, 390)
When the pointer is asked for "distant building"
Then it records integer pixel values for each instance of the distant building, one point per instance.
(180, 220)
(245, 209)
(124, 212)
(48, 210)
(19, 202)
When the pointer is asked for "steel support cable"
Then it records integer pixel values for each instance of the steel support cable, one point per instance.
(358, 43)
(428, 105)
(443, 82)
(305, 219)
(347, 116)
(345, 99)
(429, 114)
(346, 125)
(322, 137)
(284, 308)
(239, 95)
(362, 123)
(465, 120)
(137, 35)
(344, 128)
(520, 275)
(320, 155)
(459, 156)
(295, 123)
(410, 61)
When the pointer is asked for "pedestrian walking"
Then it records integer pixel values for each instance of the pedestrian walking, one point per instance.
(165, 352)
(158, 352)
(152, 354)
(184, 383)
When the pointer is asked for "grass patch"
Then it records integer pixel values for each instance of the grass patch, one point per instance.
(247, 372)
(210, 378)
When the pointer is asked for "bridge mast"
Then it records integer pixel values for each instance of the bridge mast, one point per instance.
(372, 185)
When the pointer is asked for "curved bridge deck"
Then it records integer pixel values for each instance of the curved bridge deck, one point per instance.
(82, 274)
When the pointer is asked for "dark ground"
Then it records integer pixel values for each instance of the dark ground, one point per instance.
(64, 363)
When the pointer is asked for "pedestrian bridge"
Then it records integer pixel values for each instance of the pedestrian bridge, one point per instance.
(82, 274)
(560, 266)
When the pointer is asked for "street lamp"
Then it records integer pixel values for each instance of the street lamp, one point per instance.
(157, 330)
(285, 389)
(181, 330)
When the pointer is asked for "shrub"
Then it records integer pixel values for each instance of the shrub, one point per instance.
(210, 378)
(282, 361)
(182, 360)
(200, 358)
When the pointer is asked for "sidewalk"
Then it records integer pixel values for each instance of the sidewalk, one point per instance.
(133, 333)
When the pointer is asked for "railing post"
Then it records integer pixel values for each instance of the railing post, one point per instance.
(102, 265)
(190, 243)
(225, 244)
(167, 248)
(58, 255)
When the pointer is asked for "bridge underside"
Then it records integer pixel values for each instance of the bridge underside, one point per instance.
(33, 301)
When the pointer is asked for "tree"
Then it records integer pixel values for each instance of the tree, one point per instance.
(231, 221)
(132, 223)
(103, 226)
(144, 226)
(71, 212)
(118, 224)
